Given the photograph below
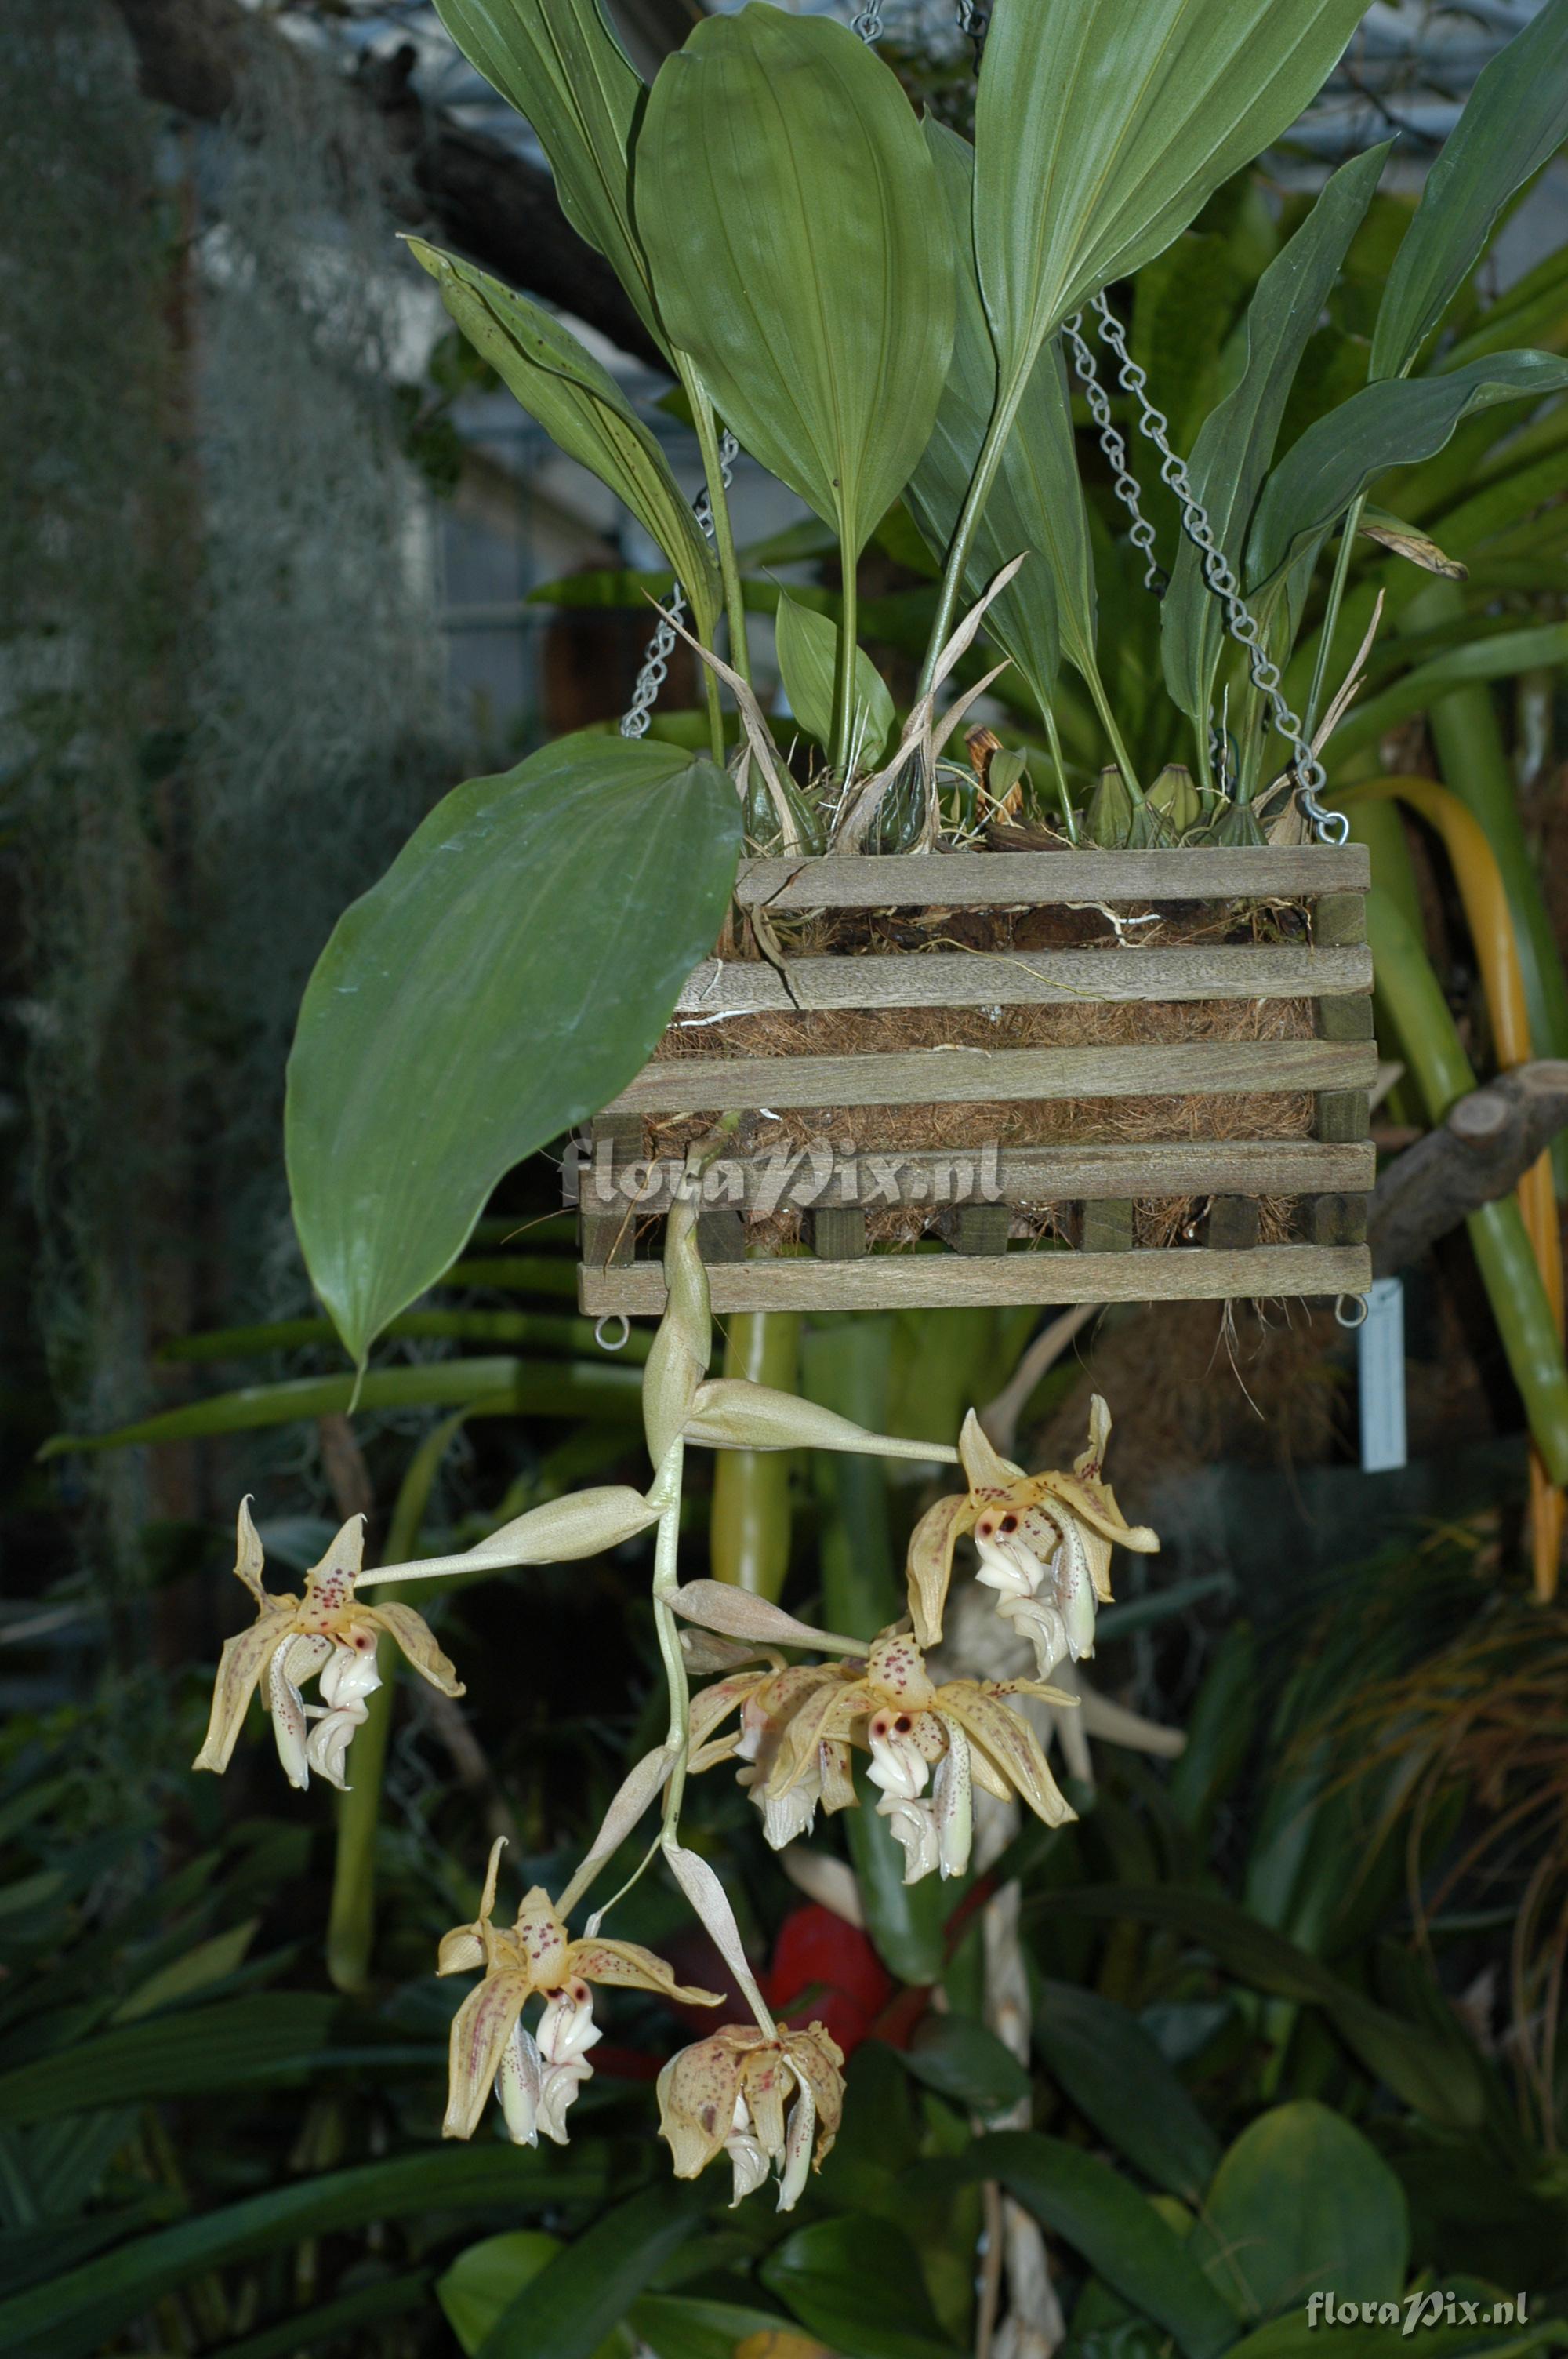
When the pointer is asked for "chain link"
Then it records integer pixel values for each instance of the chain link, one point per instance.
(973, 22)
(1331, 827)
(869, 23)
(662, 645)
(1115, 449)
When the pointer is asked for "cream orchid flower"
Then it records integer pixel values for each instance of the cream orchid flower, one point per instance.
(328, 1633)
(730, 2093)
(535, 2075)
(1044, 1543)
(948, 1738)
(765, 1700)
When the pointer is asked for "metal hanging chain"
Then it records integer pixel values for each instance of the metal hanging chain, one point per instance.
(1115, 449)
(662, 645)
(1331, 827)
(869, 23)
(973, 22)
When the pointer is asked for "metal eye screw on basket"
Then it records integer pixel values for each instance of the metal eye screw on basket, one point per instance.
(662, 645)
(1330, 827)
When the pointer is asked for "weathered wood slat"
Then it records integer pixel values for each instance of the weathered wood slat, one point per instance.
(974, 880)
(935, 1281)
(1017, 1175)
(1018, 979)
(968, 1076)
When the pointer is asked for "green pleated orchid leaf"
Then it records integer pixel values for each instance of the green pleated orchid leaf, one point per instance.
(1393, 424)
(508, 974)
(800, 252)
(808, 662)
(559, 64)
(582, 409)
(1099, 133)
(1037, 503)
(1515, 121)
(1236, 441)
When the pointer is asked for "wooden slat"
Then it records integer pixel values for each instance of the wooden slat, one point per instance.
(976, 880)
(935, 1281)
(1020, 979)
(1035, 1175)
(1106, 1225)
(968, 1076)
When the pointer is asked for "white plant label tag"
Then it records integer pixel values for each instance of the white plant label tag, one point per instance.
(1381, 1351)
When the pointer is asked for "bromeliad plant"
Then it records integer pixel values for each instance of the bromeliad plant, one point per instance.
(929, 1744)
(876, 309)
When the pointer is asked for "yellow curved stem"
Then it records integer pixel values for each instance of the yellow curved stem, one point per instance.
(1488, 915)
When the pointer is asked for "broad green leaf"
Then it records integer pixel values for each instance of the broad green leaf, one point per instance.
(1236, 441)
(799, 253)
(808, 664)
(527, 1388)
(1119, 2231)
(1099, 2052)
(905, 1921)
(542, 1330)
(1302, 2201)
(1100, 131)
(559, 64)
(74, 2315)
(274, 2034)
(1393, 424)
(1514, 122)
(957, 2057)
(485, 2279)
(856, 2281)
(508, 974)
(1441, 2079)
(316, 2329)
(209, 1961)
(683, 2326)
(1220, 1730)
(1499, 657)
(582, 407)
(1025, 621)
(568, 2309)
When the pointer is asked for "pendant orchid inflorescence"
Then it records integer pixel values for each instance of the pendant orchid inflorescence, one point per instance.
(794, 1707)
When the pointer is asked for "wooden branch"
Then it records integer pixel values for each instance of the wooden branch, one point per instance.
(1480, 1152)
(470, 190)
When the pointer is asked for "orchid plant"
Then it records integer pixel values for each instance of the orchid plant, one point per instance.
(803, 1701)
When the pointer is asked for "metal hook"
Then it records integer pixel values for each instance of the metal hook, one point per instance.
(622, 1341)
(1357, 1302)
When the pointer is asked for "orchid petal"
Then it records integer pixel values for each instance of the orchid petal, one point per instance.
(1012, 1745)
(410, 1631)
(249, 1561)
(984, 1465)
(929, 1569)
(697, 2093)
(482, 2029)
(628, 1966)
(330, 1584)
(242, 1665)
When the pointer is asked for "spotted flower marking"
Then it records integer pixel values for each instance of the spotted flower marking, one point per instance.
(327, 1635)
(1043, 1541)
(534, 2075)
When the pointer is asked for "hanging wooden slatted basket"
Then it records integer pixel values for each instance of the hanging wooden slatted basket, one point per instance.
(1206, 1035)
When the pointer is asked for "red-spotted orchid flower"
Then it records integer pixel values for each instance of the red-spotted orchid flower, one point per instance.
(1044, 1543)
(535, 2075)
(729, 2093)
(329, 1635)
